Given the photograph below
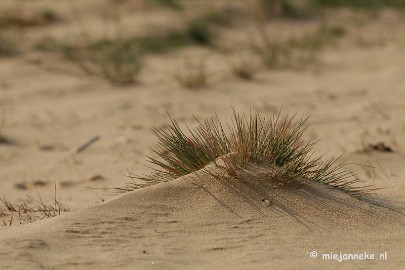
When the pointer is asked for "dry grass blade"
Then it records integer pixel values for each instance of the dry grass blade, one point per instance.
(274, 145)
(30, 210)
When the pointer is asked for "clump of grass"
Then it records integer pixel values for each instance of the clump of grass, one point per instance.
(199, 31)
(172, 4)
(196, 31)
(30, 210)
(116, 60)
(162, 43)
(192, 74)
(274, 54)
(275, 145)
(8, 46)
(28, 19)
(360, 4)
(282, 53)
(293, 51)
(49, 44)
(243, 67)
(50, 16)
(119, 65)
(283, 8)
(221, 17)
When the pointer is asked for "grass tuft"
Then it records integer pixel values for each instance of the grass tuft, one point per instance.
(30, 210)
(8, 46)
(199, 31)
(192, 74)
(117, 60)
(360, 4)
(20, 18)
(275, 54)
(282, 8)
(243, 67)
(274, 145)
(171, 4)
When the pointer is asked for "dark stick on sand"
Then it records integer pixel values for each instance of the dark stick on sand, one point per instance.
(86, 144)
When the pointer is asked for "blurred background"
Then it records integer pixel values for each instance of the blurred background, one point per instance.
(82, 83)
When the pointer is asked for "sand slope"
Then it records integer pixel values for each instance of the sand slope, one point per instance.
(354, 93)
(199, 222)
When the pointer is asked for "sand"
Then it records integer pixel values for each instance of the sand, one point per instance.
(198, 222)
(354, 94)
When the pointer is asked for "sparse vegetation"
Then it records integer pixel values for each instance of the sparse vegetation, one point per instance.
(306, 9)
(117, 60)
(360, 4)
(192, 74)
(243, 67)
(9, 21)
(49, 44)
(120, 59)
(172, 4)
(21, 18)
(275, 146)
(7, 46)
(161, 44)
(199, 31)
(282, 8)
(295, 50)
(375, 147)
(196, 31)
(29, 210)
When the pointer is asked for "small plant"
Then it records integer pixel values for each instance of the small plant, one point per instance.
(117, 60)
(294, 51)
(273, 54)
(192, 74)
(277, 53)
(375, 147)
(199, 31)
(360, 4)
(243, 67)
(120, 66)
(220, 17)
(8, 46)
(3, 138)
(30, 210)
(49, 16)
(172, 4)
(162, 43)
(21, 18)
(49, 44)
(283, 8)
(274, 147)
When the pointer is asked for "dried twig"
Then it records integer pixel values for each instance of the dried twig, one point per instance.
(86, 144)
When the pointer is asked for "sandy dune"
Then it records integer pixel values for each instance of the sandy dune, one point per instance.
(199, 222)
(354, 93)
